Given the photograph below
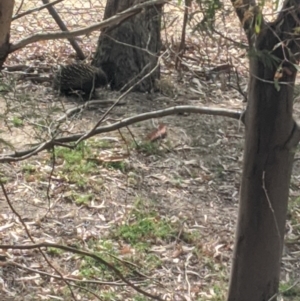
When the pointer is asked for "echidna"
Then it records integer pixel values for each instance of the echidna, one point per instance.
(79, 77)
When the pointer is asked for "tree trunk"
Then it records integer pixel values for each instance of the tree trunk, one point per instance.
(271, 136)
(268, 159)
(130, 51)
(6, 11)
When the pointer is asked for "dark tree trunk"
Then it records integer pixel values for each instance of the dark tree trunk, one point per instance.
(268, 159)
(271, 137)
(6, 11)
(130, 51)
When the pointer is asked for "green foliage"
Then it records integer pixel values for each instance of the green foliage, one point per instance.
(91, 267)
(75, 165)
(149, 148)
(209, 9)
(75, 158)
(177, 181)
(4, 88)
(17, 122)
(276, 84)
(73, 155)
(109, 296)
(268, 59)
(100, 143)
(140, 298)
(290, 289)
(297, 67)
(258, 22)
(54, 251)
(4, 180)
(118, 165)
(109, 252)
(190, 237)
(83, 199)
(28, 168)
(143, 228)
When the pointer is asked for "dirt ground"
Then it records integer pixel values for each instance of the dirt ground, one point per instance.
(163, 213)
(190, 179)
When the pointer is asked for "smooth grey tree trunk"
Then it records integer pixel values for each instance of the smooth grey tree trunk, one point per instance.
(270, 141)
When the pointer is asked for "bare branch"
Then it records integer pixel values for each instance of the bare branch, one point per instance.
(83, 253)
(24, 154)
(111, 283)
(104, 24)
(32, 240)
(20, 7)
(246, 10)
(90, 133)
(88, 105)
(15, 17)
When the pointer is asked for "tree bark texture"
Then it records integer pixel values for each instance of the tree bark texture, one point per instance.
(6, 11)
(270, 141)
(130, 51)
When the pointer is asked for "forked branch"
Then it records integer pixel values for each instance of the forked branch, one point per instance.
(120, 17)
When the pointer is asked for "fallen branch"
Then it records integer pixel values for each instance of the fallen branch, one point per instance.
(83, 253)
(25, 154)
(87, 105)
(32, 240)
(110, 283)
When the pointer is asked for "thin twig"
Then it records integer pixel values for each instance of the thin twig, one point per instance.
(271, 207)
(118, 18)
(16, 16)
(110, 283)
(25, 154)
(83, 253)
(89, 133)
(32, 240)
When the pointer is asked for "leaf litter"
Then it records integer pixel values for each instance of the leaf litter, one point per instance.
(180, 189)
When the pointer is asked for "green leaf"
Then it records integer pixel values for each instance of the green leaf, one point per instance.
(276, 84)
(296, 30)
(297, 67)
(4, 88)
(6, 143)
(258, 21)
